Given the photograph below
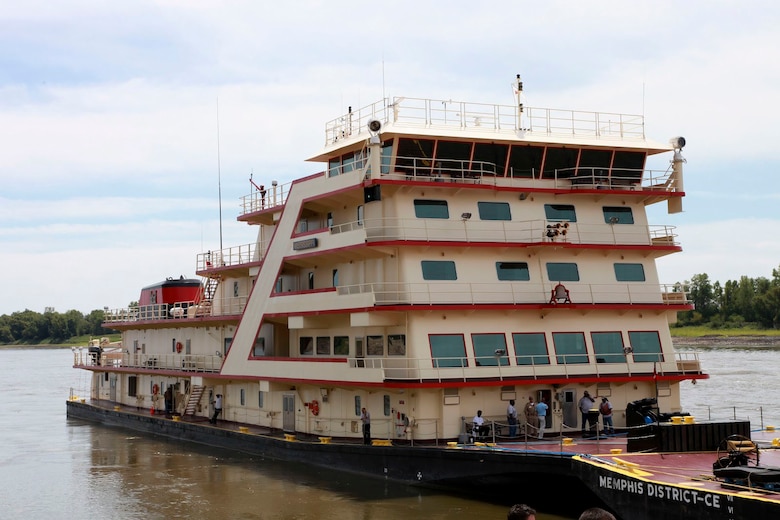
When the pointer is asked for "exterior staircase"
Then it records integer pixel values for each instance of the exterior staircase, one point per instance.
(192, 402)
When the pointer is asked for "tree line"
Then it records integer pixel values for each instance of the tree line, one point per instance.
(30, 327)
(735, 304)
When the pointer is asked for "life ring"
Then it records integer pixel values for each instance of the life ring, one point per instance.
(179, 346)
(314, 406)
(156, 389)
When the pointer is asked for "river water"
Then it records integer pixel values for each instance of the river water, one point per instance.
(54, 467)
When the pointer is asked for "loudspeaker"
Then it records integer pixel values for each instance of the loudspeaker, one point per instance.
(372, 193)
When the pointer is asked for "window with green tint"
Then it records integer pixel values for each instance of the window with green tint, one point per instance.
(618, 215)
(387, 157)
(530, 348)
(439, 270)
(646, 346)
(608, 347)
(560, 212)
(494, 211)
(513, 271)
(306, 346)
(570, 348)
(323, 345)
(489, 349)
(448, 350)
(562, 272)
(629, 272)
(431, 209)
(396, 344)
(334, 167)
(341, 345)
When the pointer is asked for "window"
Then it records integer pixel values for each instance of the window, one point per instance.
(360, 213)
(560, 212)
(132, 386)
(306, 347)
(278, 287)
(431, 209)
(530, 348)
(513, 271)
(323, 345)
(235, 289)
(559, 163)
(646, 345)
(618, 215)
(375, 345)
(439, 270)
(489, 349)
(386, 405)
(329, 220)
(334, 167)
(387, 157)
(260, 398)
(608, 347)
(242, 397)
(259, 348)
(562, 272)
(494, 211)
(448, 350)
(489, 158)
(629, 272)
(341, 345)
(396, 345)
(335, 276)
(311, 281)
(525, 160)
(357, 405)
(303, 225)
(570, 348)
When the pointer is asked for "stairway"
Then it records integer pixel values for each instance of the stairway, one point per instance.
(194, 399)
(210, 288)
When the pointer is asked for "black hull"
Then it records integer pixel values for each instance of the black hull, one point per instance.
(642, 499)
(504, 477)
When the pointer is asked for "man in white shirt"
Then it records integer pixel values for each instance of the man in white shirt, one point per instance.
(511, 418)
(480, 430)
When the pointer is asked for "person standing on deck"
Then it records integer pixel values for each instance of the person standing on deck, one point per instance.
(532, 421)
(606, 414)
(541, 412)
(217, 409)
(365, 417)
(511, 418)
(585, 405)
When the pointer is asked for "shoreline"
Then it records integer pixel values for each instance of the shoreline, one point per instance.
(717, 340)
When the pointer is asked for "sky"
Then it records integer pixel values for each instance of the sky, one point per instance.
(129, 130)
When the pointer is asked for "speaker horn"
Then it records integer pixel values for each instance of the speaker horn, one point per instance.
(374, 125)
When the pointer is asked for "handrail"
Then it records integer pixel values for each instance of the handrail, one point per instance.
(188, 362)
(231, 256)
(228, 306)
(442, 293)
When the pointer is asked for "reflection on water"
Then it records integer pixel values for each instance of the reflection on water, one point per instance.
(53, 467)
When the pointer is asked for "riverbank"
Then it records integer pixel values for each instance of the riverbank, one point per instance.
(716, 340)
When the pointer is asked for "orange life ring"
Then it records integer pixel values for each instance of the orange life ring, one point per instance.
(314, 406)
(179, 346)
(156, 389)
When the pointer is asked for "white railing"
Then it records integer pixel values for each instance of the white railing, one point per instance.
(232, 306)
(426, 113)
(536, 366)
(460, 293)
(231, 256)
(529, 231)
(260, 200)
(83, 357)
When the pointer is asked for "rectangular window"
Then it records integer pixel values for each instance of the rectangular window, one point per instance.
(439, 270)
(494, 211)
(235, 289)
(357, 405)
(375, 345)
(306, 346)
(242, 397)
(323, 345)
(513, 271)
(311, 281)
(646, 346)
(431, 209)
(618, 215)
(387, 157)
(396, 345)
(334, 167)
(386, 405)
(608, 347)
(560, 212)
(629, 272)
(531, 348)
(448, 350)
(562, 272)
(335, 277)
(360, 213)
(132, 386)
(260, 398)
(341, 345)
(570, 348)
(259, 348)
(490, 349)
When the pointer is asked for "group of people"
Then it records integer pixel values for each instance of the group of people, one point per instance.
(536, 414)
(524, 512)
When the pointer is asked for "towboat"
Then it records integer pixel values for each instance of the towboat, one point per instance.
(452, 263)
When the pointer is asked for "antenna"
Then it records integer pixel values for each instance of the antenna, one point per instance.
(219, 180)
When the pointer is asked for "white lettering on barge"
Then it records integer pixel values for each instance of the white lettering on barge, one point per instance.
(660, 491)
